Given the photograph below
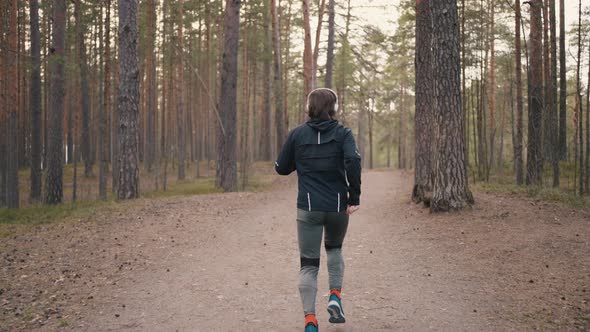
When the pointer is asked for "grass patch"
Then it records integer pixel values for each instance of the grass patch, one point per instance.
(540, 193)
(186, 188)
(13, 221)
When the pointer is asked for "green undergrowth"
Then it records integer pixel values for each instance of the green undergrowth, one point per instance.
(540, 193)
(13, 221)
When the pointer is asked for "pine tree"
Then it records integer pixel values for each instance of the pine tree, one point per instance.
(227, 141)
(35, 102)
(451, 189)
(128, 102)
(57, 60)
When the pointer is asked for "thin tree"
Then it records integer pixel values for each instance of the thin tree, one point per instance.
(588, 131)
(519, 104)
(562, 84)
(3, 108)
(451, 189)
(266, 110)
(278, 77)
(57, 60)
(103, 113)
(227, 165)
(492, 92)
(35, 102)
(307, 54)
(84, 90)
(535, 152)
(12, 195)
(316, 46)
(128, 102)
(423, 118)
(553, 93)
(579, 108)
(330, 51)
(151, 86)
(180, 121)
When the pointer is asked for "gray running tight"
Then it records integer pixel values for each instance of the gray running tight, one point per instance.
(310, 226)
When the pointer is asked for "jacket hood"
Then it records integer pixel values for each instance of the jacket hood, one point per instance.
(322, 125)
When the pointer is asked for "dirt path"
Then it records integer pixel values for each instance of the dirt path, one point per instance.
(229, 263)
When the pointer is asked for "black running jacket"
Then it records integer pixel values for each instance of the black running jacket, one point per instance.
(328, 165)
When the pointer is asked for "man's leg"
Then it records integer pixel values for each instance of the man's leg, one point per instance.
(336, 226)
(309, 231)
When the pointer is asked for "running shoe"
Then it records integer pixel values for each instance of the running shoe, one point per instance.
(335, 307)
(311, 323)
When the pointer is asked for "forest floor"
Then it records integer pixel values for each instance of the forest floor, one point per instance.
(229, 262)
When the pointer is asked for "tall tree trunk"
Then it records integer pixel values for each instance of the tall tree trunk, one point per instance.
(423, 118)
(3, 106)
(307, 54)
(330, 52)
(151, 86)
(35, 116)
(316, 47)
(587, 172)
(562, 84)
(286, 66)
(12, 194)
(535, 148)
(266, 111)
(519, 103)
(546, 85)
(84, 89)
(580, 116)
(180, 121)
(553, 101)
(227, 166)
(492, 86)
(57, 59)
(103, 115)
(451, 189)
(278, 77)
(128, 102)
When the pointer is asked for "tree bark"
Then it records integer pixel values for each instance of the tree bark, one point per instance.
(57, 60)
(12, 192)
(316, 46)
(587, 171)
(492, 87)
(554, 125)
(330, 52)
(103, 134)
(535, 150)
(128, 102)
(519, 103)
(278, 78)
(423, 118)
(307, 55)
(227, 165)
(266, 111)
(84, 89)
(451, 189)
(580, 116)
(35, 116)
(151, 88)
(562, 85)
(180, 121)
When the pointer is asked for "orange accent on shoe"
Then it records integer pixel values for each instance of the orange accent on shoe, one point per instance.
(310, 318)
(337, 292)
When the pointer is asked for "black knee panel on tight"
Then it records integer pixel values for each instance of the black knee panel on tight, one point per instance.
(310, 262)
(329, 247)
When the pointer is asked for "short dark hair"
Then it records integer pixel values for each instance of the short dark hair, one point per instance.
(321, 104)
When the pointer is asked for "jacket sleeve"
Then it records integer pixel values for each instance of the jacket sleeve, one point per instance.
(285, 164)
(352, 165)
